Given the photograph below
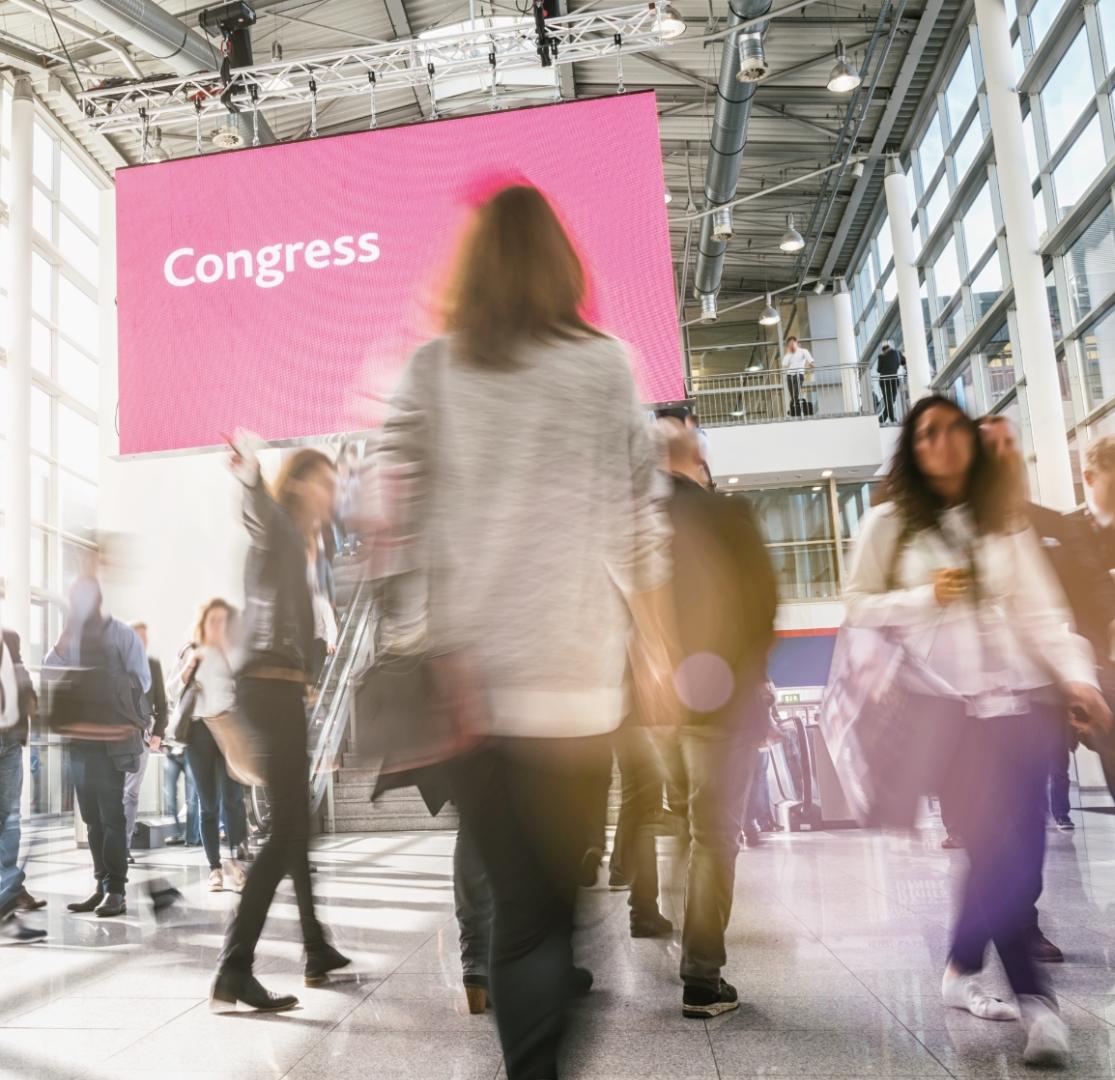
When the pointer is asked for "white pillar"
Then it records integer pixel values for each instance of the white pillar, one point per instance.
(846, 346)
(1035, 329)
(918, 373)
(17, 508)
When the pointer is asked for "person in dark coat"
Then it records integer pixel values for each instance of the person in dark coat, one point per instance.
(891, 361)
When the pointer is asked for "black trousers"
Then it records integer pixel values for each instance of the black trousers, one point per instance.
(530, 804)
(99, 787)
(275, 711)
(1000, 807)
(634, 851)
(215, 790)
(889, 385)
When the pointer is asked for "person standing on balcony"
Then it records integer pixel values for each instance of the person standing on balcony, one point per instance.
(891, 362)
(795, 361)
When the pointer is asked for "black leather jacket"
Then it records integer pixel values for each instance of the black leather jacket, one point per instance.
(278, 626)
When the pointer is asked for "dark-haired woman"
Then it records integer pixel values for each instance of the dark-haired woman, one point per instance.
(524, 474)
(278, 636)
(948, 563)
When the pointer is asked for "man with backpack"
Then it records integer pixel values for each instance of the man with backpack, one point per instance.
(101, 702)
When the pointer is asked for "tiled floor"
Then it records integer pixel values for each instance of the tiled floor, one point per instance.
(836, 945)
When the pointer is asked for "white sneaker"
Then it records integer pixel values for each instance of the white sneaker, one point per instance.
(964, 992)
(1047, 1036)
(216, 880)
(236, 872)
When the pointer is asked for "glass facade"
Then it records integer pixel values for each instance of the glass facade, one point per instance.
(65, 380)
(1068, 119)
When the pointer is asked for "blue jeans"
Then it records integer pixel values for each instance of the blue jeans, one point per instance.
(11, 788)
(175, 766)
(473, 896)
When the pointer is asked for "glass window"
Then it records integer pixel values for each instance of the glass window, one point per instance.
(79, 504)
(78, 442)
(963, 390)
(911, 191)
(853, 502)
(40, 347)
(1054, 307)
(987, 285)
(78, 374)
(79, 194)
(1090, 264)
(1019, 59)
(78, 249)
(937, 203)
(890, 287)
(1068, 90)
(40, 489)
(1106, 9)
(930, 151)
(946, 274)
(1098, 348)
(42, 155)
(1041, 19)
(1031, 145)
(792, 514)
(961, 90)
(40, 420)
(40, 559)
(77, 312)
(1078, 168)
(999, 362)
(1039, 213)
(955, 329)
(883, 244)
(40, 285)
(979, 225)
(42, 214)
(968, 148)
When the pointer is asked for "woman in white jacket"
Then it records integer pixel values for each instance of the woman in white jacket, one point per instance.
(950, 565)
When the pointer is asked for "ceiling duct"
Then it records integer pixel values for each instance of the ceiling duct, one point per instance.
(169, 40)
(753, 64)
(728, 139)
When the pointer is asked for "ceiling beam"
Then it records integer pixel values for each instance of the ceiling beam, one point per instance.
(905, 77)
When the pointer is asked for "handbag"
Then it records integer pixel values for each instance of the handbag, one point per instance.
(244, 747)
(179, 730)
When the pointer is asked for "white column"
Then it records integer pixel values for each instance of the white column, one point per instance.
(918, 374)
(1035, 329)
(846, 345)
(17, 508)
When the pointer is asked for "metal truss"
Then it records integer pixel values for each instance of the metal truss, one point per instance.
(495, 47)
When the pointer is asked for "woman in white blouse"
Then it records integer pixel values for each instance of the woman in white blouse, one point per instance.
(950, 564)
(212, 671)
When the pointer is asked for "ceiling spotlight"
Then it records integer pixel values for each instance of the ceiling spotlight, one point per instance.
(228, 135)
(819, 288)
(826, 474)
(857, 169)
(276, 53)
(722, 224)
(753, 64)
(708, 308)
(845, 75)
(669, 197)
(670, 23)
(791, 239)
(770, 316)
(733, 479)
(155, 149)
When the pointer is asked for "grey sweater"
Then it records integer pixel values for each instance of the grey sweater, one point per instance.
(528, 503)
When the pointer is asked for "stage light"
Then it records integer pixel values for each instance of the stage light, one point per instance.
(845, 76)
(791, 239)
(722, 224)
(770, 316)
(708, 308)
(857, 169)
(670, 23)
(753, 66)
(155, 149)
(819, 288)
(227, 135)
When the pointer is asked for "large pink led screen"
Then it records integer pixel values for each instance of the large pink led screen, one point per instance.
(282, 289)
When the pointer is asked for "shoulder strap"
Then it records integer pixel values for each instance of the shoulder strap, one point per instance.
(899, 547)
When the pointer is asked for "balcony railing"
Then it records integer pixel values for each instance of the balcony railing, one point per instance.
(773, 396)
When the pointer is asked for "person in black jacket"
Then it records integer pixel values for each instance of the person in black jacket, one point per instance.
(725, 600)
(890, 362)
(278, 635)
(17, 701)
(156, 696)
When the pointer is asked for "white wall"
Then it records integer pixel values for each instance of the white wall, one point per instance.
(822, 328)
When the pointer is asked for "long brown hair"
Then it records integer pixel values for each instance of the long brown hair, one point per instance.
(517, 278)
(294, 471)
(216, 604)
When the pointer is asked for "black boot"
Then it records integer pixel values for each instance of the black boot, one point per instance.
(650, 924)
(112, 905)
(80, 907)
(322, 960)
(230, 987)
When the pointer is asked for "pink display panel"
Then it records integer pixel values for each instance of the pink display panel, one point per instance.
(282, 289)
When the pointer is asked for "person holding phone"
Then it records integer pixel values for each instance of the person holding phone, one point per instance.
(950, 564)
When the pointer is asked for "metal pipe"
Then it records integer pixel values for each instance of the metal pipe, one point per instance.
(83, 31)
(726, 142)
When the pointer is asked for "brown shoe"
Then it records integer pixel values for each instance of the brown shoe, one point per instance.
(477, 998)
(1040, 948)
(24, 901)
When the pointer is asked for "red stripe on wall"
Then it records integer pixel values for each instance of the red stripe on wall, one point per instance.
(818, 632)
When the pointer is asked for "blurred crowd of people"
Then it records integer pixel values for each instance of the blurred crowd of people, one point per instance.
(575, 594)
